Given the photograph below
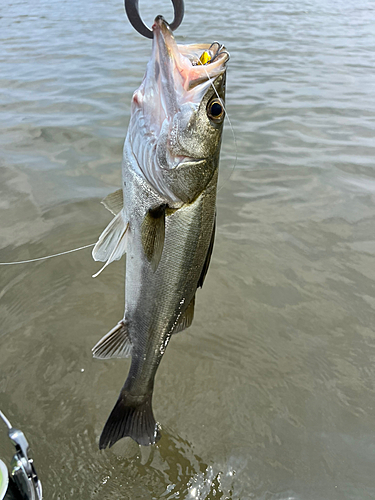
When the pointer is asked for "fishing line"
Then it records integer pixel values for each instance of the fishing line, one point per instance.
(231, 127)
(47, 256)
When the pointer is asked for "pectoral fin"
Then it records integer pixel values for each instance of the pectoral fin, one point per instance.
(206, 264)
(114, 202)
(115, 344)
(111, 244)
(153, 233)
(186, 318)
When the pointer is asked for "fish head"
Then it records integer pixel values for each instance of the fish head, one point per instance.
(178, 113)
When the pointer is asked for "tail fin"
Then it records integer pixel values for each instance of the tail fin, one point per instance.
(130, 418)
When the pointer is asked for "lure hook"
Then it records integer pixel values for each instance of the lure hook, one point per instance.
(132, 11)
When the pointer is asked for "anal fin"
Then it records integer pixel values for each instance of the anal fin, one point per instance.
(186, 318)
(115, 344)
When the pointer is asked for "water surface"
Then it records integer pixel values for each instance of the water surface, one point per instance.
(270, 394)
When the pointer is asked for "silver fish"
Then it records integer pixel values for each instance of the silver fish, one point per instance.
(164, 216)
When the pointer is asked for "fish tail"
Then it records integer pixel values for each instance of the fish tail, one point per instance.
(133, 417)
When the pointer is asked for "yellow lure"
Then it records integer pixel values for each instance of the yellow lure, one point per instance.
(205, 58)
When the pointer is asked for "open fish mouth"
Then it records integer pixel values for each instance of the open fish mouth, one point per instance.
(177, 77)
(183, 72)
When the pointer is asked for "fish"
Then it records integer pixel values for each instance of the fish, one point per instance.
(164, 217)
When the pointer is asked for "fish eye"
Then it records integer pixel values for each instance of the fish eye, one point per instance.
(215, 110)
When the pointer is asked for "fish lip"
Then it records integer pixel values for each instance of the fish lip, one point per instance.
(166, 53)
(161, 24)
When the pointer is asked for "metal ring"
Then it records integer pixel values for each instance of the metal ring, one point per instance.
(132, 11)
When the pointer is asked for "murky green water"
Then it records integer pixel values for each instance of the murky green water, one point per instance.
(270, 395)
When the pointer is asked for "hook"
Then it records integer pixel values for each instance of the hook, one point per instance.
(132, 11)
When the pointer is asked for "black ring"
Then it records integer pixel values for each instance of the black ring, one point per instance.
(132, 11)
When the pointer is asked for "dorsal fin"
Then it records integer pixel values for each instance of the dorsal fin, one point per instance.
(114, 202)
